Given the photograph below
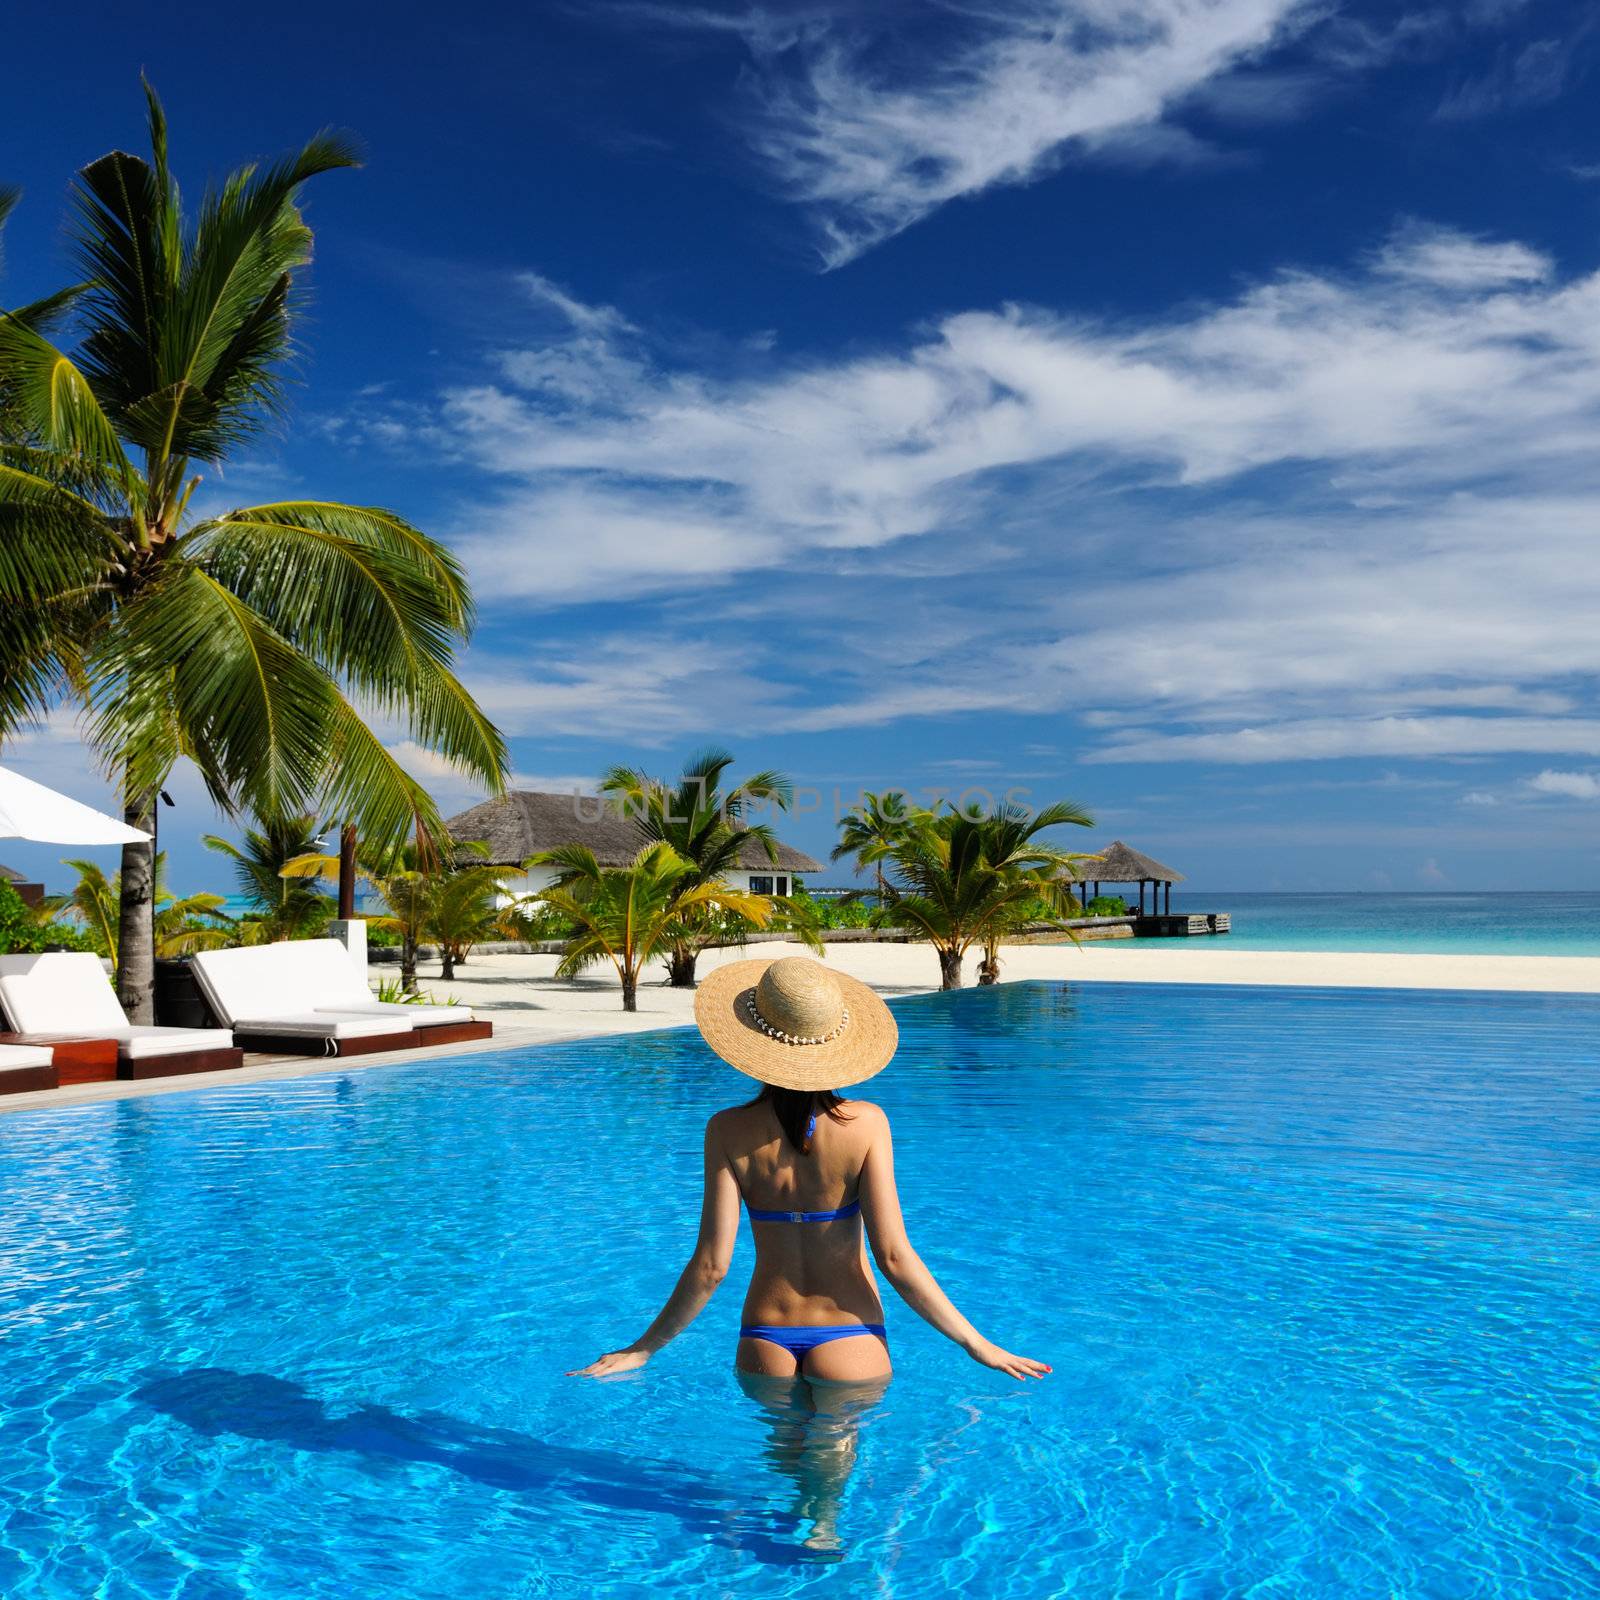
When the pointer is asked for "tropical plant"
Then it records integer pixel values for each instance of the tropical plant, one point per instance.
(245, 639)
(868, 832)
(708, 827)
(464, 910)
(280, 907)
(181, 925)
(27, 929)
(426, 897)
(628, 915)
(961, 879)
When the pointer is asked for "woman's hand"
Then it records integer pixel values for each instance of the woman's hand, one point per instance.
(1019, 1367)
(613, 1362)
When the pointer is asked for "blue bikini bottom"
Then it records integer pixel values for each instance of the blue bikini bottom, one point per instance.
(798, 1341)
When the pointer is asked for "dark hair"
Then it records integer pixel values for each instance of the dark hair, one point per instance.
(794, 1109)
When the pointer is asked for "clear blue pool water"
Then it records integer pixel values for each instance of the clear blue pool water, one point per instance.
(1318, 1273)
(1522, 924)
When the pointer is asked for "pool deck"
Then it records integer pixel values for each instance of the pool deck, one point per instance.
(528, 1005)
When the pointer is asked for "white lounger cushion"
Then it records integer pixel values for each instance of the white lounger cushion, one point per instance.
(410, 1016)
(63, 992)
(135, 1043)
(320, 1025)
(24, 1055)
(299, 976)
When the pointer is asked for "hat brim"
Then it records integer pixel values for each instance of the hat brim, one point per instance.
(863, 1048)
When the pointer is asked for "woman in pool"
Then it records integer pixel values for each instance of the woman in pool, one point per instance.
(812, 1168)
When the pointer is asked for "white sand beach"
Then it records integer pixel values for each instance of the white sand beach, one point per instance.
(529, 1005)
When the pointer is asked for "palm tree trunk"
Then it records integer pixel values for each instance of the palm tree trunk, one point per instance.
(949, 968)
(448, 959)
(408, 962)
(630, 991)
(680, 966)
(136, 926)
(989, 967)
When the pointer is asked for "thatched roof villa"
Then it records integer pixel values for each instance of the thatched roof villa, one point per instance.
(523, 823)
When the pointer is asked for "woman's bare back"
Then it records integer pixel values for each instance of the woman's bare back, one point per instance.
(811, 1273)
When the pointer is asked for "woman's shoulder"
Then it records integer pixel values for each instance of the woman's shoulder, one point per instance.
(868, 1111)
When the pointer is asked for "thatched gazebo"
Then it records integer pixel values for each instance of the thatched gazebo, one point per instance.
(1120, 863)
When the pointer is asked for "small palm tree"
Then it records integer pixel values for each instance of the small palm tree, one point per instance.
(962, 879)
(627, 915)
(283, 908)
(708, 827)
(869, 832)
(181, 925)
(244, 640)
(464, 910)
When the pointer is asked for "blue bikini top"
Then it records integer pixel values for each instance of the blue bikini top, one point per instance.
(851, 1210)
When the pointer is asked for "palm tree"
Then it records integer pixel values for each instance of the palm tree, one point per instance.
(627, 915)
(962, 878)
(708, 828)
(870, 831)
(243, 639)
(286, 908)
(398, 876)
(463, 910)
(180, 925)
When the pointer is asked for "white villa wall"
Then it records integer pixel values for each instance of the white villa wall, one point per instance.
(530, 883)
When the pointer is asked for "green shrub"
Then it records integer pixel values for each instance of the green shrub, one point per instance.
(23, 933)
(1108, 905)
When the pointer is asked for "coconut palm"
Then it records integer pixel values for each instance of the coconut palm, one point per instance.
(284, 908)
(708, 827)
(961, 879)
(243, 639)
(869, 831)
(181, 925)
(628, 915)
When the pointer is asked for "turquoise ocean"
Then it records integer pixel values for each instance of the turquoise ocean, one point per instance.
(1519, 924)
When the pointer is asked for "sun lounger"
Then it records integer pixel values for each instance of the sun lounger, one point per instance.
(304, 995)
(65, 995)
(24, 1067)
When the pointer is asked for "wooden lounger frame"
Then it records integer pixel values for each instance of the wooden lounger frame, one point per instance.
(224, 1058)
(455, 1032)
(25, 1080)
(76, 1060)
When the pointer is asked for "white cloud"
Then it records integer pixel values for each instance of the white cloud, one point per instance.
(1569, 785)
(1431, 873)
(1320, 738)
(1458, 261)
(872, 138)
(1419, 559)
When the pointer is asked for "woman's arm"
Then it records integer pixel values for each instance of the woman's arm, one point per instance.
(708, 1266)
(902, 1266)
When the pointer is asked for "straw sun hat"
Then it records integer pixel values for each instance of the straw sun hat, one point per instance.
(794, 1024)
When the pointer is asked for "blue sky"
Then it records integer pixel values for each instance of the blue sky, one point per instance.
(1184, 406)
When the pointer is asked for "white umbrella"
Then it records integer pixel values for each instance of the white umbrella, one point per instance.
(28, 810)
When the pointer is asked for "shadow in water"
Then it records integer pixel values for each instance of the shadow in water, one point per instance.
(215, 1401)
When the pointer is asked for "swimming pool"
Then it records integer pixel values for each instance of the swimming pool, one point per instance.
(1317, 1271)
